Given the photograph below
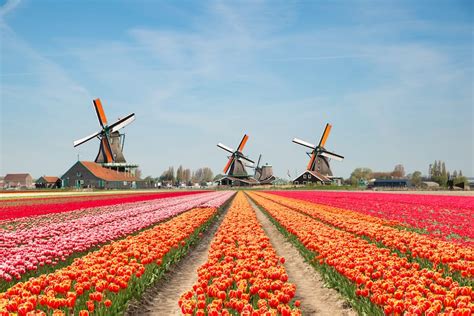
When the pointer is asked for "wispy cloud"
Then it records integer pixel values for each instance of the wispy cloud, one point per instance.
(8, 7)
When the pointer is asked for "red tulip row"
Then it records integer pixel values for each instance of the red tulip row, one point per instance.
(243, 273)
(443, 216)
(389, 281)
(97, 280)
(457, 257)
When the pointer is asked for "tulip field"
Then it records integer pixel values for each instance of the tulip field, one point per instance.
(392, 254)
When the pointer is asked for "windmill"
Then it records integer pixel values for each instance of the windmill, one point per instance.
(235, 166)
(111, 141)
(319, 156)
(263, 174)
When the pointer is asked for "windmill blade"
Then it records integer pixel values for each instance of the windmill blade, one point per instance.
(107, 149)
(220, 145)
(325, 135)
(100, 112)
(311, 161)
(122, 123)
(303, 143)
(247, 159)
(86, 139)
(332, 155)
(258, 162)
(242, 143)
(227, 166)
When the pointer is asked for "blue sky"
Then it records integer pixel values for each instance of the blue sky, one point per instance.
(395, 78)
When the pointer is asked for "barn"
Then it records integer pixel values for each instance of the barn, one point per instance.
(88, 174)
(235, 181)
(311, 177)
(18, 180)
(49, 182)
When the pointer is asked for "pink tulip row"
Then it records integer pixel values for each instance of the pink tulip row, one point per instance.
(63, 223)
(47, 245)
(443, 216)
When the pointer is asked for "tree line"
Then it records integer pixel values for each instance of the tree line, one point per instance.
(183, 175)
(437, 172)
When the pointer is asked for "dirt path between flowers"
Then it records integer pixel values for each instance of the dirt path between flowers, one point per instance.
(162, 298)
(315, 298)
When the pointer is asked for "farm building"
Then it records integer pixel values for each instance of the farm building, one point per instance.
(390, 183)
(18, 180)
(234, 181)
(49, 182)
(311, 177)
(88, 174)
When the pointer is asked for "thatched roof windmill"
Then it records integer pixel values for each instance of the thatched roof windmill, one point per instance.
(111, 140)
(319, 156)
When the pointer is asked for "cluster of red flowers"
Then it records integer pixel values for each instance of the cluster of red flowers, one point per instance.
(442, 216)
(389, 281)
(17, 208)
(97, 277)
(243, 273)
(456, 257)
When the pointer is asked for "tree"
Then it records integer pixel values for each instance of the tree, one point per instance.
(168, 175)
(398, 171)
(443, 170)
(460, 173)
(187, 175)
(416, 178)
(455, 174)
(179, 174)
(360, 173)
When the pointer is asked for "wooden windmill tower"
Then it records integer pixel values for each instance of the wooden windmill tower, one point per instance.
(110, 153)
(318, 168)
(235, 171)
(263, 174)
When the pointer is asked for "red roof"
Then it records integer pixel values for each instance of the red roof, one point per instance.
(16, 177)
(106, 173)
(49, 179)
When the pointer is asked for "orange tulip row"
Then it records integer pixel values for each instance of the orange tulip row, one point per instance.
(389, 281)
(243, 273)
(93, 281)
(457, 257)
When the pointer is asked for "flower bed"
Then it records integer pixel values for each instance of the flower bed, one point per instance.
(11, 209)
(243, 273)
(448, 217)
(104, 280)
(26, 250)
(457, 258)
(375, 275)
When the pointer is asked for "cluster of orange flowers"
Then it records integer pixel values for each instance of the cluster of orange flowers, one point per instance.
(457, 257)
(243, 273)
(391, 282)
(99, 275)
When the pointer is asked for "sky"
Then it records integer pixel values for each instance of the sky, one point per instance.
(394, 78)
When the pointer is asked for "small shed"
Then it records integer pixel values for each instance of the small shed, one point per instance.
(18, 181)
(49, 182)
(429, 185)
